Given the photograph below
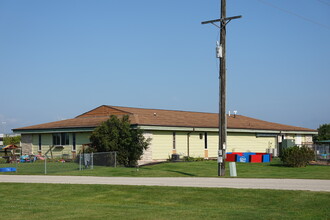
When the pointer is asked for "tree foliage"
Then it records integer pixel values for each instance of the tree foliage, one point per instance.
(117, 135)
(7, 140)
(297, 156)
(323, 132)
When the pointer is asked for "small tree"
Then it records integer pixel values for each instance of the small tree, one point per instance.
(117, 135)
(297, 156)
(7, 140)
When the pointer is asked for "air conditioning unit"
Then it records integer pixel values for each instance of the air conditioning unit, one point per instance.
(274, 152)
(175, 157)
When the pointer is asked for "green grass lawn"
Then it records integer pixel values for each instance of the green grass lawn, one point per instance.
(187, 169)
(62, 201)
(209, 169)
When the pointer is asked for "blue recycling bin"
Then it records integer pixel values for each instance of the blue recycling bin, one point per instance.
(243, 159)
(266, 158)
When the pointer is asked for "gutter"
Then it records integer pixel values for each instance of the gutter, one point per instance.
(233, 130)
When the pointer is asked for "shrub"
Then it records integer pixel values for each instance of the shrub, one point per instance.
(297, 156)
(3, 160)
(190, 159)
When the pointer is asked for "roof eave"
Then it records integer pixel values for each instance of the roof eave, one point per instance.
(53, 130)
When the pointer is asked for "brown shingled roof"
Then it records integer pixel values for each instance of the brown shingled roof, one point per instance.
(158, 117)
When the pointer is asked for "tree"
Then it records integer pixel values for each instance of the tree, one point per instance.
(117, 135)
(323, 132)
(7, 140)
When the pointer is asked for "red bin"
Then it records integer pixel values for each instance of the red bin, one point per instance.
(231, 157)
(256, 158)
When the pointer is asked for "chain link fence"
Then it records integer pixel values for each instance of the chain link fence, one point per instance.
(94, 160)
(56, 164)
(322, 152)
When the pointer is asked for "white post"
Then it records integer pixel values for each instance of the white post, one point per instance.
(232, 168)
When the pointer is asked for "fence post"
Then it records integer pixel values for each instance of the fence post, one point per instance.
(315, 152)
(46, 165)
(115, 159)
(80, 161)
(16, 163)
(92, 160)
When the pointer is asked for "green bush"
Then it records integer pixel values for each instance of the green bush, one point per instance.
(190, 159)
(297, 156)
(3, 160)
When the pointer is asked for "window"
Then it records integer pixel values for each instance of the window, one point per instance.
(74, 142)
(174, 144)
(39, 142)
(61, 139)
(205, 140)
(56, 139)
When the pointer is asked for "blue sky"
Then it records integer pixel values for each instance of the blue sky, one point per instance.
(60, 58)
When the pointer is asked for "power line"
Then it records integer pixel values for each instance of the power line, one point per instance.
(294, 14)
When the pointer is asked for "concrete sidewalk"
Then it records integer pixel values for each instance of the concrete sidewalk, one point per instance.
(243, 183)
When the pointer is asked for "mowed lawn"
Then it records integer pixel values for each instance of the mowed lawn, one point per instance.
(275, 169)
(63, 201)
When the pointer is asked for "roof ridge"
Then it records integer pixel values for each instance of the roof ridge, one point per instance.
(159, 109)
(89, 111)
(116, 107)
(107, 106)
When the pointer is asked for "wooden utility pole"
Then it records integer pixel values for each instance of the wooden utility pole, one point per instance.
(221, 54)
(222, 95)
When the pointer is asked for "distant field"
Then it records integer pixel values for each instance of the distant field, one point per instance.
(185, 169)
(63, 201)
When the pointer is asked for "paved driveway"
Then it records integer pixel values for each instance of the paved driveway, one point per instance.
(281, 184)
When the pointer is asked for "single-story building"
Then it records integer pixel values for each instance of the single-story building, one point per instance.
(185, 133)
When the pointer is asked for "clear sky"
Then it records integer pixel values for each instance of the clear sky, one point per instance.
(60, 58)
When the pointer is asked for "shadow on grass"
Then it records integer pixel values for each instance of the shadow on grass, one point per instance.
(277, 165)
(180, 172)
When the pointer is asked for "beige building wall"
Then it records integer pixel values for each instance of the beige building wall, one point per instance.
(47, 141)
(162, 145)
(240, 142)
(212, 144)
(181, 143)
(248, 142)
(196, 145)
